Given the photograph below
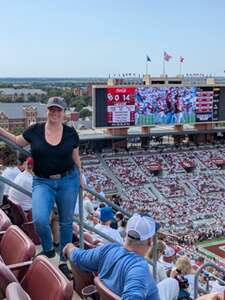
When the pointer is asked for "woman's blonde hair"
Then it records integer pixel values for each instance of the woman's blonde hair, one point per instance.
(183, 264)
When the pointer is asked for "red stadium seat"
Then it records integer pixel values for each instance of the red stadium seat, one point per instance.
(44, 281)
(81, 279)
(14, 291)
(104, 292)
(4, 221)
(23, 220)
(16, 247)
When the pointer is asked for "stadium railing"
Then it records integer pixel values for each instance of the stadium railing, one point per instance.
(80, 220)
(199, 271)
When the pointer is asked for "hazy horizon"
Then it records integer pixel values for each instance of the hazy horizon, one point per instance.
(95, 38)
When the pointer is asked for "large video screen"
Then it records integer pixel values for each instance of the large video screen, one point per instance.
(144, 106)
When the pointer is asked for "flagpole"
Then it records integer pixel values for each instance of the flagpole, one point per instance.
(146, 67)
(180, 69)
(164, 67)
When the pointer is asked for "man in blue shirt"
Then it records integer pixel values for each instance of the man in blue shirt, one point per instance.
(122, 269)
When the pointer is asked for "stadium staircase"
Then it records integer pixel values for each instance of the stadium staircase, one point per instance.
(110, 173)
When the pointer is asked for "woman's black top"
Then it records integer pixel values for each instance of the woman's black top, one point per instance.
(49, 159)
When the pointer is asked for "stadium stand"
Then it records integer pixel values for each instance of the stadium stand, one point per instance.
(180, 199)
(14, 238)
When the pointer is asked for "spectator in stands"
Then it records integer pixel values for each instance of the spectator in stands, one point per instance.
(119, 218)
(55, 151)
(122, 269)
(218, 286)
(90, 215)
(168, 289)
(184, 267)
(167, 260)
(98, 189)
(200, 261)
(25, 180)
(161, 272)
(106, 218)
(13, 163)
(122, 228)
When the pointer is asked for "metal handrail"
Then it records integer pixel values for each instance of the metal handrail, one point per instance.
(15, 186)
(77, 220)
(81, 222)
(196, 281)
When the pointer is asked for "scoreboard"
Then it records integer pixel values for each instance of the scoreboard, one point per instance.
(121, 106)
(151, 105)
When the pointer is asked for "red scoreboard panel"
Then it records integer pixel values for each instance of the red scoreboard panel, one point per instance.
(121, 106)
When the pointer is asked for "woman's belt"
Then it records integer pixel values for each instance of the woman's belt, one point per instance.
(55, 176)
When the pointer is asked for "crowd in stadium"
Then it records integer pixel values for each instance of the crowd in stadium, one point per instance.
(179, 199)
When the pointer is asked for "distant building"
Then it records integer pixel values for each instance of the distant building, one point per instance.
(11, 92)
(21, 115)
(78, 91)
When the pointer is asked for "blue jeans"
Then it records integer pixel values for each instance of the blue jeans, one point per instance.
(47, 192)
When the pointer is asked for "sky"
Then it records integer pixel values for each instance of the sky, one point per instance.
(95, 38)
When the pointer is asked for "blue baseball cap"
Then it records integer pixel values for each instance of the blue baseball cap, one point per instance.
(106, 214)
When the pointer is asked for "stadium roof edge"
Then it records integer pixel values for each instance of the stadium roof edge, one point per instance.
(153, 133)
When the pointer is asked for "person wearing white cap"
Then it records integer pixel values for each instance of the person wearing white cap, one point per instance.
(167, 260)
(25, 180)
(122, 269)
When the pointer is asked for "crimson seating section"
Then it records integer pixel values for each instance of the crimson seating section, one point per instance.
(23, 220)
(81, 279)
(44, 281)
(16, 247)
(4, 221)
(104, 292)
(14, 291)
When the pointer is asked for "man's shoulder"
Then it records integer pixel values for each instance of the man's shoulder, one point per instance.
(11, 171)
(23, 176)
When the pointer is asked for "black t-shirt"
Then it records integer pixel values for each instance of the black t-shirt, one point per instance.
(49, 159)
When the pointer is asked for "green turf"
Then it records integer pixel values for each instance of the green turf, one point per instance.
(211, 242)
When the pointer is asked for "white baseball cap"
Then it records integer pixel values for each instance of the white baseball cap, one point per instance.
(140, 227)
(169, 251)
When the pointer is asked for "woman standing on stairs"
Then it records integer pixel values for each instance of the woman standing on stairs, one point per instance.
(55, 152)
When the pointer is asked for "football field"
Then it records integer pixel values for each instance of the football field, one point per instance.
(213, 248)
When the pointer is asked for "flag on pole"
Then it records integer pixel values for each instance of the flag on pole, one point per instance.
(148, 58)
(167, 56)
(181, 59)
